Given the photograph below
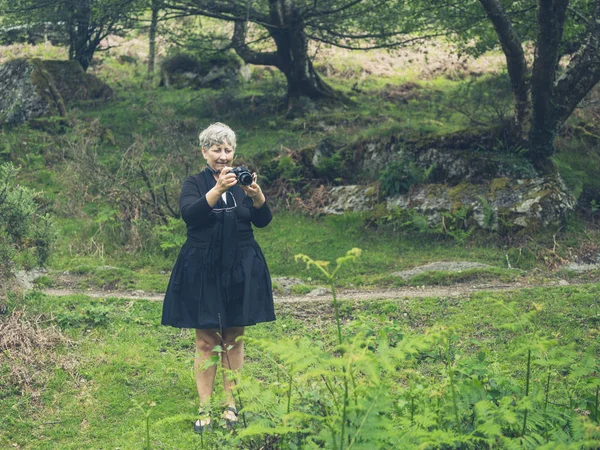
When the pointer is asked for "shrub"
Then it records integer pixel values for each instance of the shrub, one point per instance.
(25, 233)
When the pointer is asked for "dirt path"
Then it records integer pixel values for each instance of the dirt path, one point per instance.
(459, 290)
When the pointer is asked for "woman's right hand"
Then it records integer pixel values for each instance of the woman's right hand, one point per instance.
(225, 181)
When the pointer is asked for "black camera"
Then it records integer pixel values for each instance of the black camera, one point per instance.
(243, 175)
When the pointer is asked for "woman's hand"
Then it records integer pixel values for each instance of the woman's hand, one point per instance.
(254, 192)
(225, 181)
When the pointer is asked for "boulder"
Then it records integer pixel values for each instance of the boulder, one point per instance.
(182, 71)
(32, 88)
(351, 198)
(475, 177)
(454, 161)
(501, 203)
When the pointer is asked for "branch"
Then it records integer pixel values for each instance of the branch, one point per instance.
(373, 47)
(318, 13)
(363, 36)
(225, 12)
(246, 53)
(583, 71)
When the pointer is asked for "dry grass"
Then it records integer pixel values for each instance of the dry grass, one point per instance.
(425, 61)
(44, 50)
(27, 349)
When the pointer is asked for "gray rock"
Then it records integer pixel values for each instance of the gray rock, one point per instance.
(446, 266)
(351, 198)
(453, 164)
(246, 72)
(286, 284)
(182, 71)
(500, 203)
(319, 292)
(25, 278)
(33, 88)
(580, 268)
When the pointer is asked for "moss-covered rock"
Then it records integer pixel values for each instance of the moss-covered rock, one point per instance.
(74, 84)
(33, 88)
(497, 205)
(214, 71)
(351, 198)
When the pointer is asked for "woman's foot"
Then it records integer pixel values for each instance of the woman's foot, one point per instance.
(231, 416)
(203, 422)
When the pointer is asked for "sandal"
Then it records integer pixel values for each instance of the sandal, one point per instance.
(231, 423)
(198, 426)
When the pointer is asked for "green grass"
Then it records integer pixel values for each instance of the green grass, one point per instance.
(121, 357)
(289, 234)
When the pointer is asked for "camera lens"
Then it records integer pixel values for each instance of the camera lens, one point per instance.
(245, 178)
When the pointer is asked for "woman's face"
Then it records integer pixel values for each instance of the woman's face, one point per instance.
(218, 156)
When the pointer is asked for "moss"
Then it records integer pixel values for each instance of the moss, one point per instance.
(44, 83)
(498, 184)
(457, 192)
(372, 191)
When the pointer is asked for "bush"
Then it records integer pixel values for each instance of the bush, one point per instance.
(25, 233)
(399, 175)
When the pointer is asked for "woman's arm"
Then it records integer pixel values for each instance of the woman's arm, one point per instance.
(193, 204)
(261, 217)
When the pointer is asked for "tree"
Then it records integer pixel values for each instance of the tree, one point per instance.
(546, 92)
(155, 7)
(85, 23)
(288, 26)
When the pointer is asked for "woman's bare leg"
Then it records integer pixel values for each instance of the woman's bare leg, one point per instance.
(232, 358)
(206, 340)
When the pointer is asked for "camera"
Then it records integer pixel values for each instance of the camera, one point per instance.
(243, 175)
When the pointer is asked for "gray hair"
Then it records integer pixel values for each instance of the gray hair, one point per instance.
(217, 133)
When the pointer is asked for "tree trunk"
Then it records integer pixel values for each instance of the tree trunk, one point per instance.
(152, 37)
(79, 34)
(292, 50)
(302, 79)
(516, 65)
(545, 121)
(291, 54)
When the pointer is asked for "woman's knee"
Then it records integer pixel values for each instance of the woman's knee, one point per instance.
(231, 335)
(206, 341)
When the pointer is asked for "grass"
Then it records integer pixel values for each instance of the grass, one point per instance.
(122, 359)
(384, 252)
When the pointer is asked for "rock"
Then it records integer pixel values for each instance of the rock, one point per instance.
(319, 292)
(25, 278)
(351, 198)
(33, 88)
(446, 266)
(246, 72)
(285, 284)
(498, 204)
(456, 158)
(76, 85)
(181, 71)
(580, 268)
(325, 149)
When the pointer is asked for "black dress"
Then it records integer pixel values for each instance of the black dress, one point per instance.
(220, 278)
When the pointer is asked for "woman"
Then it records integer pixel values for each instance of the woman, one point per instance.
(220, 282)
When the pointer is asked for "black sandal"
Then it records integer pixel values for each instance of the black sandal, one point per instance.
(231, 423)
(198, 427)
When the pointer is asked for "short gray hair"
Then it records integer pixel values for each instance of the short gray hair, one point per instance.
(217, 133)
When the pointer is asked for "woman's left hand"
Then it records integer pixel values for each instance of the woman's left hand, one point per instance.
(254, 192)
